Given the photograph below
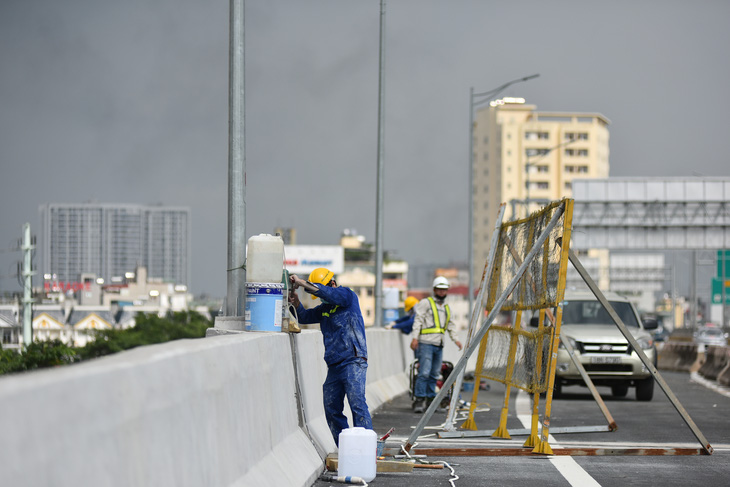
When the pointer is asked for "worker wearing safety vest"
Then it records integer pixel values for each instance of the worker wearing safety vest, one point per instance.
(433, 320)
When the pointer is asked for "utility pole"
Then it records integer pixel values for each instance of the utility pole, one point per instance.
(27, 274)
(236, 275)
(380, 184)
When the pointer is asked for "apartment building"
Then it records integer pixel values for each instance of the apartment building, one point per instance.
(111, 240)
(523, 157)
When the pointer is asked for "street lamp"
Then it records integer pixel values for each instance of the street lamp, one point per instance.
(476, 99)
(529, 164)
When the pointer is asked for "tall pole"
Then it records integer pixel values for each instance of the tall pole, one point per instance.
(693, 306)
(471, 199)
(380, 184)
(722, 286)
(527, 187)
(236, 275)
(476, 99)
(675, 322)
(27, 286)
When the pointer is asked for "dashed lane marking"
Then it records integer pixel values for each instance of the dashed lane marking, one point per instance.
(566, 466)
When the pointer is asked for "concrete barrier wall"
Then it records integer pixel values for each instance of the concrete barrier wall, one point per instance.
(679, 356)
(716, 361)
(216, 411)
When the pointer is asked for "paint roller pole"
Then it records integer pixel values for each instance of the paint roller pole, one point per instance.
(236, 275)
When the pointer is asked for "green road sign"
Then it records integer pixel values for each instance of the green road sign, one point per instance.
(717, 291)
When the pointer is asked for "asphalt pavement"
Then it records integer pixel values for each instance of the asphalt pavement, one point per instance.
(641, 425)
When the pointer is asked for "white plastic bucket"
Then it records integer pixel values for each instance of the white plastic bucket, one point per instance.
(264, 258)
(356, 457)
(390, 298)
(264, 306)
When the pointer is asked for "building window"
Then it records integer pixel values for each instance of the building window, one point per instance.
(568, 185)
(576, 136)
(542, 169)
(486, 156)
(542, 185)
(536, 152)
(370, 292)
(486, 139)
(583, 169)
(569, 169)
(576, 152)
(533, 135)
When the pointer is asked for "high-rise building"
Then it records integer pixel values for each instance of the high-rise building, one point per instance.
(520, 154)
(111, 240)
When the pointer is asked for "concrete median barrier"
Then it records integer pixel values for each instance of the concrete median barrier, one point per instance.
(216, 411)
(678, 356)
(716, 361)
(723, 377)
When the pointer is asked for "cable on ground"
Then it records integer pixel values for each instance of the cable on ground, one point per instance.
(454, 476)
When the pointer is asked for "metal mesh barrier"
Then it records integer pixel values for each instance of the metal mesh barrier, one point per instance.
(531, 357)
(527, 274)
(539, 285)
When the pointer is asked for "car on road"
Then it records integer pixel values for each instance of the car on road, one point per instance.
(655, 325)
(601, 348)
(710, 335)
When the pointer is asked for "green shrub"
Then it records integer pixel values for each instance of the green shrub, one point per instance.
(149, 329)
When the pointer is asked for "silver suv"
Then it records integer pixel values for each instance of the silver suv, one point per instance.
(601, 347)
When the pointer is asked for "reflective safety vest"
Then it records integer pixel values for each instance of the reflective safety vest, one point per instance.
(436, 328)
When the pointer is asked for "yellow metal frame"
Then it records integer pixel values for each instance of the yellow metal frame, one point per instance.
(538, 443)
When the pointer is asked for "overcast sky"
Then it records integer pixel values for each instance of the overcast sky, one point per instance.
(127, 102)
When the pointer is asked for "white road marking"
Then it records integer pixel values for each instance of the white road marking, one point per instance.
(566, 466)
(695, 377)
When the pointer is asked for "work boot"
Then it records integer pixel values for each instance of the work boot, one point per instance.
(419, 405)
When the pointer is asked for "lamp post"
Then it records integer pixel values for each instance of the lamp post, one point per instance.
(529, 164)
(476, 99)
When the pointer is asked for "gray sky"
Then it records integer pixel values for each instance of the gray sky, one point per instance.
(127, 102)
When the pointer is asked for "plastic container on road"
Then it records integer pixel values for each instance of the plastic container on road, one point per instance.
(356, 457)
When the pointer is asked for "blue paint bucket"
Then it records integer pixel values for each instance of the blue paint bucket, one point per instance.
(264, 304)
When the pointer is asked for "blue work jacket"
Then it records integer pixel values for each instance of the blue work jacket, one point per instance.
(341, 323)
(405, 323)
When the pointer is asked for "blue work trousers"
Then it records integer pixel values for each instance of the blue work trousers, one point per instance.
(346, 379)
(429, 369)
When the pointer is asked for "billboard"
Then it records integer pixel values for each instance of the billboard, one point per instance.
(303, 259)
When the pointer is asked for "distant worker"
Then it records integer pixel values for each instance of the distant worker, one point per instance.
(345, 349)
(405, 322)
(433, 318)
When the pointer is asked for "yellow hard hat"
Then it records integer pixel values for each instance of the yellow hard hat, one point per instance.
(410, 302)
(321, 276)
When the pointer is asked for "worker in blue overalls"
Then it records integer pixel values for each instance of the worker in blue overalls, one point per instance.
(345, 349)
